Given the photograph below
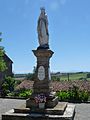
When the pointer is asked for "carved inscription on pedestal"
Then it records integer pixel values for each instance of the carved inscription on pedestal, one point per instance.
(41, 73)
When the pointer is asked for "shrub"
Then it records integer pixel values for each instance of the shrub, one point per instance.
(84, 96)
(62, 95)
(21, 93)
(7, 86)
(25, 93)
(81, 78)
(29, 76)
(73, 95)
(88, 75)
(17, 82)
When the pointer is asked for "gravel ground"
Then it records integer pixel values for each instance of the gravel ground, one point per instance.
(82, 110)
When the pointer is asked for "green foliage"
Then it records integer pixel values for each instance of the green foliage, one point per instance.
(5, 90)
(0, 38)
(55, 78)
(2, 63)
(21, 93)
(70, 76)
(10, 82)
(63, 95)
(29, 76)
(88, 75)
(73, 95)
(17, 82)
(84, 96)
(25, 93)
(20, 75)
(8, 85)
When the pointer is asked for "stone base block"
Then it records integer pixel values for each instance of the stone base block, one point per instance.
(30, 103)
(59, 109)
(52, 101)
(26, 114)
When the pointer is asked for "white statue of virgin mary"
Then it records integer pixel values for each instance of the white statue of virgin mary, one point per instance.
(42, 29)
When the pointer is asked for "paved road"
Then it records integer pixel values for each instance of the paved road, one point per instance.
(82, 110)
(7, 104)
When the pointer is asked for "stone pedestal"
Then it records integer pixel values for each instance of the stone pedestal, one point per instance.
(42, 80)
(42, 74)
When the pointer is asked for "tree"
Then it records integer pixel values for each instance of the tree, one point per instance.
(2, 63)
(88, 75)
(68, 76)
(31, 76)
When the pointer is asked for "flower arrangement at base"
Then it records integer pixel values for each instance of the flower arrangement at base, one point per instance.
(40, 98)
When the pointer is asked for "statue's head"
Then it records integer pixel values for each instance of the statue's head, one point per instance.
(42, 10)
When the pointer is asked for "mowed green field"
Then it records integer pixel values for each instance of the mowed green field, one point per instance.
(71, 76)
(61, 76)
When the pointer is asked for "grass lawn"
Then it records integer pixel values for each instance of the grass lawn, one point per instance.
(72, 76)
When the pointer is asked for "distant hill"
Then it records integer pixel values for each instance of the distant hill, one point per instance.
(70, 76)
(19, 75)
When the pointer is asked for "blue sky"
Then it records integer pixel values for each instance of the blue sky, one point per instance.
(69, 33)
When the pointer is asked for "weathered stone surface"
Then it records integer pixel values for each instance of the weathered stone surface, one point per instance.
(42, 29)
(51, 102)
(42, 79)
(42, 86)
(25, 114)
(58, 109)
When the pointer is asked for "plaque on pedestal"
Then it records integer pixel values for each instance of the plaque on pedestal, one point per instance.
(41, 73)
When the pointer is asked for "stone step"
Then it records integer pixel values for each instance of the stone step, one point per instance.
(25, 114)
